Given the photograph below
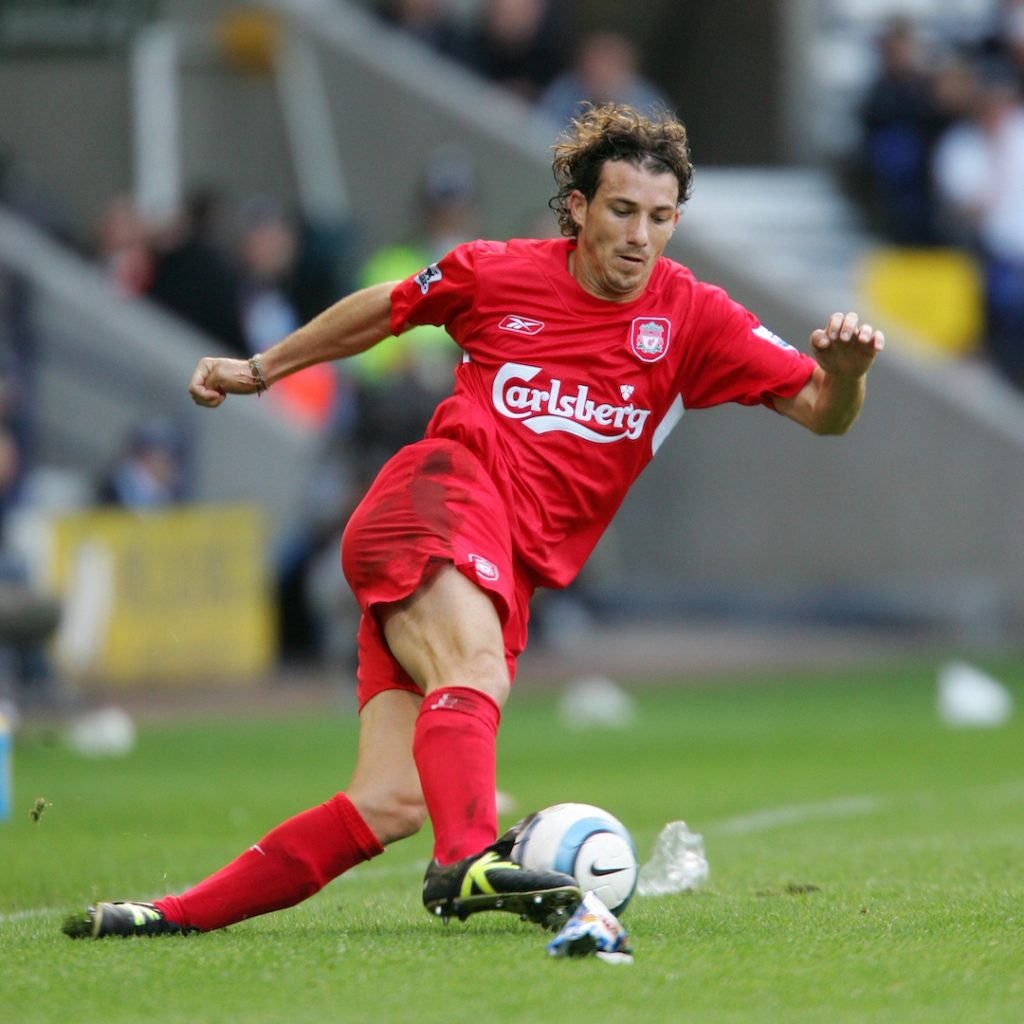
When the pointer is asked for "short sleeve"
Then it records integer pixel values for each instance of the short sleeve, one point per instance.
(438, 294)
(732, 357)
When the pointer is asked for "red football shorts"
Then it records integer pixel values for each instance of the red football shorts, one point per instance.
(431, 504)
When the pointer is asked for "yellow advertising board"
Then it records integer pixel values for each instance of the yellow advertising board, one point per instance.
(934, 295)
(179, 596)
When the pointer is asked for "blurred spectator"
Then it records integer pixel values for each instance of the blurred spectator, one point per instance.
(979, 174)
(605, 70)
(268, 274)
(900, 120)
(150, 472)
(28, 618)
(279, 289)
(18, 369)
(268, 241)
(399, 384)
(1005, 45)
(13, 457)
(520, 45)
(18, 359)
(193, 276)
(397, 387)
(122, 246)
(316, 614)
(324, 267)
(10, 472)
(431, 23)
(954, 87)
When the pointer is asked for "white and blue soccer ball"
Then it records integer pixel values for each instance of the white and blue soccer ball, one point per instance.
(586, 842)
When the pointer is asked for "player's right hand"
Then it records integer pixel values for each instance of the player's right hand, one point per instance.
(214, 379)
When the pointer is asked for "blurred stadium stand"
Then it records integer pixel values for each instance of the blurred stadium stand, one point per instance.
(911, 523)
(105, 364)
(911, 520)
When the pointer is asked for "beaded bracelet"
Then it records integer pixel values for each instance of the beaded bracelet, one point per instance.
(256, 368)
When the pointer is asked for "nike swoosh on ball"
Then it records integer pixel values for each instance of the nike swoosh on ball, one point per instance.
(595, 870)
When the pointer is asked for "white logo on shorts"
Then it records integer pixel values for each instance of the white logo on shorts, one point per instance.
(485, 569)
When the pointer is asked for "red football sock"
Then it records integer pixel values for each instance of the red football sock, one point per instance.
(454, 747)
(288, 865)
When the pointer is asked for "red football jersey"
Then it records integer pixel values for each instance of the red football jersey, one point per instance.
(565, 397)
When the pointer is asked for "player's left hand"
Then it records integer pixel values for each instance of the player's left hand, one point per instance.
(846, 347)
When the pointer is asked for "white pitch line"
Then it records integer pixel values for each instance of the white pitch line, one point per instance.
(25, 915)
(796, 814)
(373, 870)
(367, 872)
(755, 821)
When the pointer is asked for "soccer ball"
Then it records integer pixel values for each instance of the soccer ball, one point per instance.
(586, 842)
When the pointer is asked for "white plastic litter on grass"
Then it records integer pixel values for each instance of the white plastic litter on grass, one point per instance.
(595, 701)
(107, 732)
(967, 696)
(677, 863)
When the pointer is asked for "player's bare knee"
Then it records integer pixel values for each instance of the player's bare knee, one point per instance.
(485, 670)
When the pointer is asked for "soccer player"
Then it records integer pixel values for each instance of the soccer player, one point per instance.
(579, 355)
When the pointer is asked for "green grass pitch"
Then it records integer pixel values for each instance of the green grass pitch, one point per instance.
(867, 864)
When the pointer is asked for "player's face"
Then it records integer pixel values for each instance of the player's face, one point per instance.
(623, 230)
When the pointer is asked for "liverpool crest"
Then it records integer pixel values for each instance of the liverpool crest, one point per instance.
(649, 337)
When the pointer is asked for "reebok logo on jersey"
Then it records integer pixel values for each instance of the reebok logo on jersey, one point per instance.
(521, 324)
(557, 408)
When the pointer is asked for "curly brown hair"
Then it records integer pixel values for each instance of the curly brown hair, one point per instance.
(616, 132)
